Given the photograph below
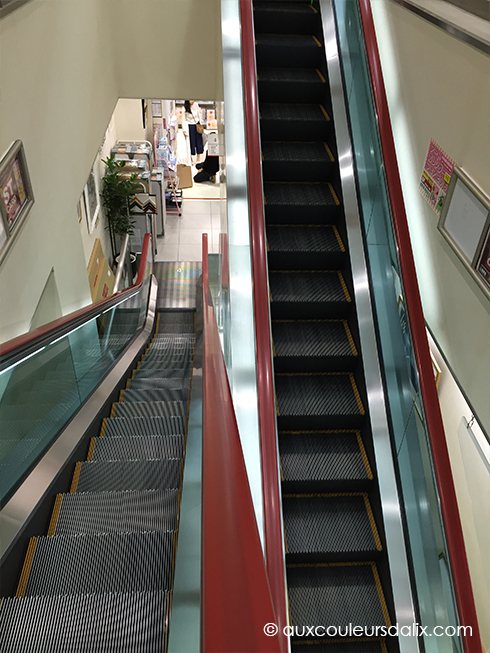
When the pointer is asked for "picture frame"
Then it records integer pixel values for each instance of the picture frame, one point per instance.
(92, 199)
(16, 194)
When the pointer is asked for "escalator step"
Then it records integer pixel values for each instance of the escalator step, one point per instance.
(109, 622)
(131, 426)
(308, 295)
(282, 122)
(150, 409)
(296, 161)
(279, 16)
(313, 401)
(138, 447)
(113, 476)
(172, 389)
(143, 378)
(300, 247)
(101, 564)
(337, 594)
(288, 84)
(294, 50)
(310, 346)
(155, 363)
(300, 203)
(117, 512)
(152, 393)
(173, 342)
(370, 646)
(329, 526)
(335, 456)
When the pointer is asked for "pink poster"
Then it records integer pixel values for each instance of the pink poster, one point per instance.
(436, 176)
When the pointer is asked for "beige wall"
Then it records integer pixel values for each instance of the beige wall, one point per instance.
(64, 66)
(438, 87)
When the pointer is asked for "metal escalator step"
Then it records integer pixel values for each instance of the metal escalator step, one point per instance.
(143, 378)
(101, 563)
(173, 343)
(134, 426)
(297, 161)
(300, 203)
(296, 17)
(319, 527)
(308, 294)
(370, 646)
(294, 50)
(313, 401)
(150, 409)
(154, 393)
(117, 512)
(293, 247)
(177, 390)
(322, 457)
(287, 84)
(113, 476)
(158, 364)
(178, 324)
(340, 594)
(282, 122)
(309, 346)
(295, 152)
(156, 447)
(121, 623)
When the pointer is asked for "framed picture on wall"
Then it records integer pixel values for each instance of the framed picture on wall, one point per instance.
(17, 197)
(92, 199)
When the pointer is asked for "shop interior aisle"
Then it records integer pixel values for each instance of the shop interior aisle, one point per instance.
(200, 214)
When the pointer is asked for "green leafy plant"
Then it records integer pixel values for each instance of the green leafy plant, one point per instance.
(116, 191)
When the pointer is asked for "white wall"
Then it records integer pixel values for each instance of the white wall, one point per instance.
(64, 66)
(438, 87)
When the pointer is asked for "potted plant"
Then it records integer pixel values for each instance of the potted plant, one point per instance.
(117, 188)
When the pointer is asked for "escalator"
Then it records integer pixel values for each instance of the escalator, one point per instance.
(336, 565)
(101, 577)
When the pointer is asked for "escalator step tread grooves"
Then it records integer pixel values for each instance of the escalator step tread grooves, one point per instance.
(293, 75)
(77, 623)
(110, 476)
(152, 394)
(301, 238)
(306, 286)
(138, 562)
(335, 594)
(170, 389)
(316, 394)
(296, 152)
(138, 447)
(329, 524)
(286, 40)
(371, 646)
(150, 409)
(292, 112)
(118, 512)
(314, 194)
(146, 375)
(320, 457)
(302, 338)
(154, 425)
(278, 7)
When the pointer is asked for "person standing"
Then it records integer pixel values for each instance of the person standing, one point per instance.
(192, 116)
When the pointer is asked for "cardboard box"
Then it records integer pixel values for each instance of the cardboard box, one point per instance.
(184, 173)
(93, 265)
(104, 282)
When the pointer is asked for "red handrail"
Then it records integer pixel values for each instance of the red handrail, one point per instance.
(29, 337)
(440, 455)
(236, 601)
(273, 528)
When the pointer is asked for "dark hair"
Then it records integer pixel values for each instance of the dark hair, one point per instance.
(187, 106)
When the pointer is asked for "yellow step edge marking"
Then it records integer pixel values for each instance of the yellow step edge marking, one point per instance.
(138, 366)
(364, 456)
(76, 476)
(383, 646)
(104, 424)
(158, 323)
(344, 286)
(280, 470)
(381, 595)
(312, 7)
(317, 41)
(91, 448)
(372, 521)
(324, 111)
(121, 395)
(334, 194)
(273, 347)
(339, 239)
(128, 383)
(113, 409)
(261, 155)
(270, 296)
(133, 373)
(26, 568)
(55, 515)
(329, 152)
(277, 406)
(321, 76)
(357, 395)
(350, 338)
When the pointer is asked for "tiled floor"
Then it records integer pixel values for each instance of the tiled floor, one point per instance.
(200, 214)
